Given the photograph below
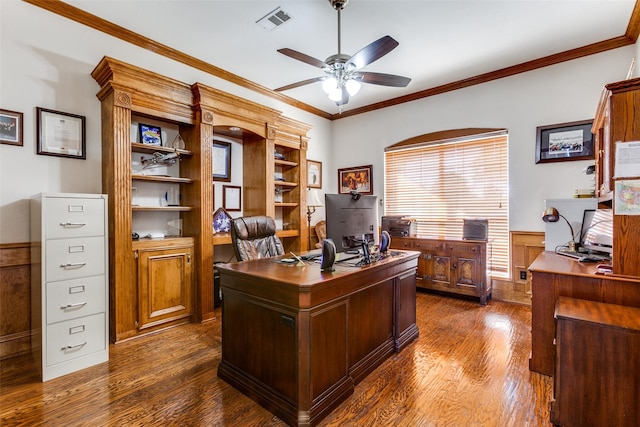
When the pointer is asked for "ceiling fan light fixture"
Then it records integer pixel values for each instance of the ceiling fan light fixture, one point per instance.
(330, 85)
(336, 94)
(352, 86)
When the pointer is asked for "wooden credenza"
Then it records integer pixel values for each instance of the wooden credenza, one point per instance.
(450, 265)
(555, 276)
(597, 358)
(297, 340)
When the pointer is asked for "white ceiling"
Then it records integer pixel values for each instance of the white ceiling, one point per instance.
(441, 41)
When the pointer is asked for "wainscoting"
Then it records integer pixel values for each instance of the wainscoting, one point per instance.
(15, 299)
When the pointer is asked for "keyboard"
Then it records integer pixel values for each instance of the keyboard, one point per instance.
(584, 256)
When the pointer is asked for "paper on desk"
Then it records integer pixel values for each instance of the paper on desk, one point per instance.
(627, 159)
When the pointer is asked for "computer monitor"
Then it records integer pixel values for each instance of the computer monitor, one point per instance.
(598, 236)
(351, 220)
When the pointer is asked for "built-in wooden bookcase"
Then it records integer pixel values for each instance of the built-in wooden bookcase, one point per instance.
(163, 281)
(617, 121)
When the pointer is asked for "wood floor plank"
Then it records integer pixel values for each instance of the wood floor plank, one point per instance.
(468, 367)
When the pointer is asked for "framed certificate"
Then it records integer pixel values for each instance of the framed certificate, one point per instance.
(61, 134)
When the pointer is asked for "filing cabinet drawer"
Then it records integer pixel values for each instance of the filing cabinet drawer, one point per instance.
(74, 258)
(75, 338)
(70, 217)
(70, 299)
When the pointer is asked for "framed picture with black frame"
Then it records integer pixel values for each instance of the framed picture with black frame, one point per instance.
(221, 161)
(564, 142)
(150, 135)
(358, 179)
(61, 134)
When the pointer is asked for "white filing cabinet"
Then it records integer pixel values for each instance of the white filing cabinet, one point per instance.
(69, 283)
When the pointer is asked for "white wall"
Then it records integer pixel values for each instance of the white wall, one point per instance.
(557, 94)
(46, 61)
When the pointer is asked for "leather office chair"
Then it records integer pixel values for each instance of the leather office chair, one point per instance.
(321, 232)
(255, 237)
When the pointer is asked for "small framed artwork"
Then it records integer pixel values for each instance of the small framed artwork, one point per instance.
(221, 161)
(61, 134)
(150, 135)
(221, 221)
(232, 197)
(11, 127)
(355, 179)
(564, 142)
(314, 174)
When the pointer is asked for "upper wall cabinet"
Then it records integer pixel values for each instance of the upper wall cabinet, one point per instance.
(618, 121)
(157, 160)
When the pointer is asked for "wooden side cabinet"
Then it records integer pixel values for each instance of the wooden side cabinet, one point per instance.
(449, 265)
(165, 290)
(596, 380)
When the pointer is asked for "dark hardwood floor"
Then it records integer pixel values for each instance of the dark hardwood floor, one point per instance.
(469, 367)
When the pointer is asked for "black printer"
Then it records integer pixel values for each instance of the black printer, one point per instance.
(399, 226)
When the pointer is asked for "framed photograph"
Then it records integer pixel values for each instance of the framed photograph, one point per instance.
(221, 221)
(11, 127)
(150, 135)
(314, 174)
(221, 161)
(564, 142)
(355, 179)
(232, 197)
(61, 134)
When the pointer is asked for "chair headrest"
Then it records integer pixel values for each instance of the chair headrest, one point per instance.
(254, 227)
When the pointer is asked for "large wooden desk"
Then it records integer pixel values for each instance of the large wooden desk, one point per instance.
(556, 276)
(297, 340)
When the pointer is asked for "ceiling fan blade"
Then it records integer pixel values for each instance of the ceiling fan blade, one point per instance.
(302, 83)
(383, 79)
(302, 57)
(373, 52)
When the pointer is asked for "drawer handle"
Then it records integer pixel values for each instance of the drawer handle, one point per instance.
(76, 305)
(72, 347)
(73, 224)
(73, 264)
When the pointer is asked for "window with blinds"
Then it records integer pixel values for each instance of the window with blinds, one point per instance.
(440, 184)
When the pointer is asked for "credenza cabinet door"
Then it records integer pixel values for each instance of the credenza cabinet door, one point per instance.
(164, 285)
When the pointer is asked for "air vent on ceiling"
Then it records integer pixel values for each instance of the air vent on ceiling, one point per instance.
(274, 19)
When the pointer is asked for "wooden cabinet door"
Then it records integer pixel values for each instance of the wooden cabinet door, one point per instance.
(466, 269)
(164, 285)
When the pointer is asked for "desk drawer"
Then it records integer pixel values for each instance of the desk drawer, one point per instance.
(75, 258)
(75, 338)
(71, 299)
(69, 217)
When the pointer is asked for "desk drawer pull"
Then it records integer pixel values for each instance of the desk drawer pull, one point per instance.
(73, 224)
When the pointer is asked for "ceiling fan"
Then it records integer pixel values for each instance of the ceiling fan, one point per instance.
(342, 72)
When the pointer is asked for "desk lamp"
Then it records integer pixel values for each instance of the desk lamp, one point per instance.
(552, 215)
(313, 202)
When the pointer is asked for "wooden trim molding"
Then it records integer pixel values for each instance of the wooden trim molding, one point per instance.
(68, 11)
(15, 299)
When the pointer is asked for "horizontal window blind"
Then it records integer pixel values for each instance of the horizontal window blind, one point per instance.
(441, 184)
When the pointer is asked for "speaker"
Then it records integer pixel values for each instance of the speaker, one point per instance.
(385, 241)
(328, 255)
